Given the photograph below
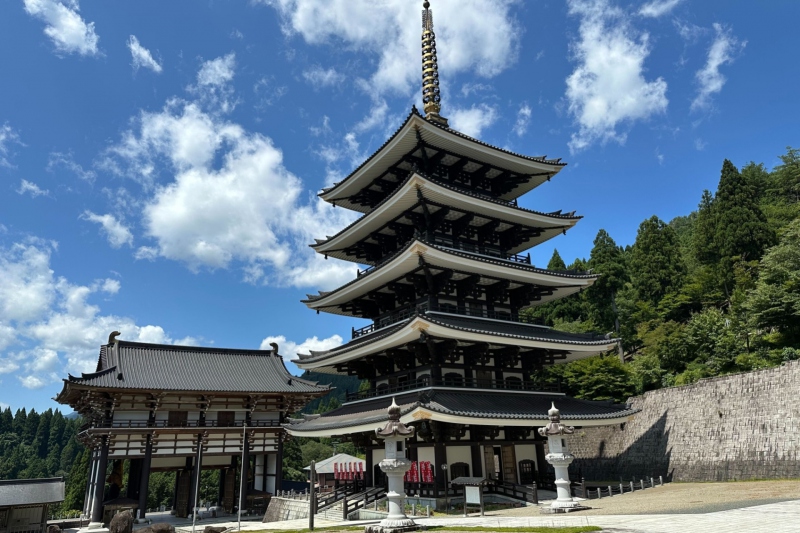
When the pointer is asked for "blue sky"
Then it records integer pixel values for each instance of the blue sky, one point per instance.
(159, 161)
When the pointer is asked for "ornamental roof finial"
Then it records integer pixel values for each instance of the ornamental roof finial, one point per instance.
(430, 69)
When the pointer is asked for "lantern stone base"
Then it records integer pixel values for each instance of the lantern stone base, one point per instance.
(395, 526)
(547, 509)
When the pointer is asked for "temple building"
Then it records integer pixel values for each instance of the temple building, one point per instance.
(442, 238)
(183, 409)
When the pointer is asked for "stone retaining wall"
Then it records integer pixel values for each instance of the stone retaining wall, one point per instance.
(737, 427)
(285, 509)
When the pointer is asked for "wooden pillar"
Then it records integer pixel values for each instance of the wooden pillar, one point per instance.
(134, 475)
(196, 471)
(368, 474)
(144, 478)
(100, 482)
(279, 464)
(477, 460)
(245, 470)
(87, 500)
(440, 458)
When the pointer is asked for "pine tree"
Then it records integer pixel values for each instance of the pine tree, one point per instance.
(656, 266)
(55, 443)
(556, 263)
(42, 437)
(741, 229)
(20, 419)
(6, 421)
(705, 249)
(606, 260)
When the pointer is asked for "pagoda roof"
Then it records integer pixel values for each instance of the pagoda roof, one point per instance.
(409, 257)
(417, 186)
(464, 406)
(440, 136)
(162, 367)
(462, 328)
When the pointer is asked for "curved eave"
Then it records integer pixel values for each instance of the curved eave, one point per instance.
(406, 196)
(405, 139)
(424, 413)
(435, 256)
(575, 349)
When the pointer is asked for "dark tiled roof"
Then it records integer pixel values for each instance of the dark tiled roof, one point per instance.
(471, 194)
(14, 492)
(460, 253)
(486, 405)
(499, 328)
(134, 365)
(414, 111)
(355, 343)
(514, 329)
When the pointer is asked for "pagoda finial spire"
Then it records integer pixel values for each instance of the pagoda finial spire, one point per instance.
(430, 69)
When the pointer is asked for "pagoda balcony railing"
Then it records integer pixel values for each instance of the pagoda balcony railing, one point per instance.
(466, 247)
(144, 424)
(458, 179)
(512, 384)
(410, 311)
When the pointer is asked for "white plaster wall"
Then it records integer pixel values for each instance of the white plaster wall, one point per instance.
(525, 451)
(427, 454)
(459, 454)
(266, 415)
(378, 456)
(169, 462)
(124, 416)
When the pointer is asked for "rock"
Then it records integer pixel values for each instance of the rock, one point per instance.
(121, 523)
(161, 527)
(212, 529)
(53, 529)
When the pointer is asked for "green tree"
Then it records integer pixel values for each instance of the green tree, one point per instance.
(775, 301)
(656, 265)
(741, 229)
(76, 482)
(606, 259)
(598, 378)
(556, 263)
(315, 451)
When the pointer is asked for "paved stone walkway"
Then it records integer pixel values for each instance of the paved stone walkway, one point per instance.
(772, 518)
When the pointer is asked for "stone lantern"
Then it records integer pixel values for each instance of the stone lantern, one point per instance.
(560, 458)
(395, 465)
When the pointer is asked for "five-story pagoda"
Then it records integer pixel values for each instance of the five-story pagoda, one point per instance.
(442, 234)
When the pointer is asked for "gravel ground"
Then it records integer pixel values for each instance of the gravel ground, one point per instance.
(684, 498)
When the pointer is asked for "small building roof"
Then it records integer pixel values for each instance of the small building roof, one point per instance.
(136, 365)
(326, 465)
(24, 492)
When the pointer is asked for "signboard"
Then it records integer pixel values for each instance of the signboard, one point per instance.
(473, 495)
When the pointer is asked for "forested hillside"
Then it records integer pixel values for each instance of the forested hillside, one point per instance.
(710, 293)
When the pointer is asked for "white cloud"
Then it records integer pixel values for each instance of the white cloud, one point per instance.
(709, 79)
(116, 232)
(523, 119)
(320, 77)
(608, 87)
(229, 200)
(658, 8)
(7, 136)
(141, 56)
(110, 286)
(146, 252)
(27, 187)
(290, 349)
(217, 72)
(700, 145)
(65, 27)
(474, 120)
(65, 160)
(32, 382)
(51, 321)
(472, 35)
